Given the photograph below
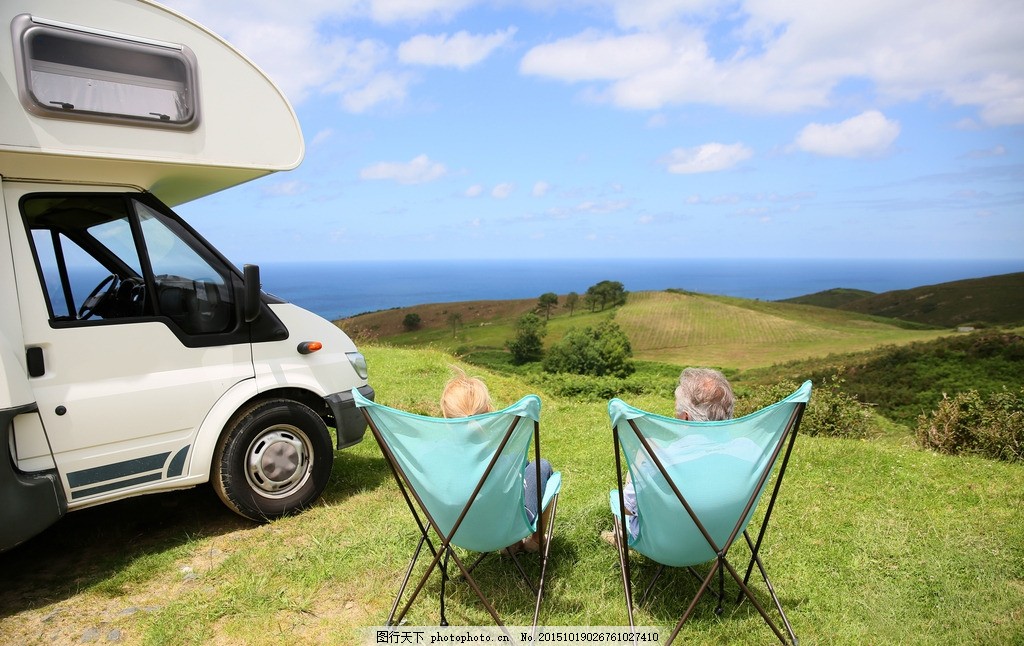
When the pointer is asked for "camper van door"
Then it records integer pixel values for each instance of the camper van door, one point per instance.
(129, 312)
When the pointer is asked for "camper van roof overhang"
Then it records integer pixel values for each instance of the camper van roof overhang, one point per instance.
(245, 127)
(173, 184)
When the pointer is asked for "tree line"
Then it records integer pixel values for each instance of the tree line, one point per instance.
(601, 350)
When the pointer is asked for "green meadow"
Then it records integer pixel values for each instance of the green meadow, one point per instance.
(873, 541)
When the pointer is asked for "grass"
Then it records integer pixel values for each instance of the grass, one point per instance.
(672, 327)
(873, 542)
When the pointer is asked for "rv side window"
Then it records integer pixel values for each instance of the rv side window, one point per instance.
(79, 74)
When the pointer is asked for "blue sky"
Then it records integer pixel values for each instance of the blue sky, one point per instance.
(633, 128)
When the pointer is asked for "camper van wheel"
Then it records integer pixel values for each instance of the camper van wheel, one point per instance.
(274, 457)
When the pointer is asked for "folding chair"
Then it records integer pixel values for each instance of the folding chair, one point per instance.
(697, 486)
(463, 482)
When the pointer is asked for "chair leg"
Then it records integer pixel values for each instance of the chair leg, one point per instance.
(654, 579)
(623, 550)
(549, 531)
(405, 581)
(721, 588)
(444, 578)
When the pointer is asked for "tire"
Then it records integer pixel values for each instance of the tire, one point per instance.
(273, 458)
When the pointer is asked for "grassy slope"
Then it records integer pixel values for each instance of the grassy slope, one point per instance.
(830, 297)
(671, 327)
(872, 542)
(995, 300)
(690, 329)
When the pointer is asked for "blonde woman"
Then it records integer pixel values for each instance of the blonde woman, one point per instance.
(465, 396)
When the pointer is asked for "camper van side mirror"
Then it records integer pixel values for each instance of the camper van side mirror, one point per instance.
(252, 301)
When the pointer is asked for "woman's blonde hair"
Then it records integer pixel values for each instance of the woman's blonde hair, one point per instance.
(464, 396)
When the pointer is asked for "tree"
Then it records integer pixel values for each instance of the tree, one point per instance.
(598, 351)
(412, 321)
(607, 293)
(571, 300)
(455, 322)
(547, 301)
(526, 346)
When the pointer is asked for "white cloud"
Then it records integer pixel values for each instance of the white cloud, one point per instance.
(706, 158)
(540, 189)
(594, 56)
(476, 190)
(291, 187)
(418, 171)
(381, 88)
(602, 207)
(779, 55)
(390, 11)
(996, 151)
(461, 50)
(321, 137)
(868, 134)
(501, 191)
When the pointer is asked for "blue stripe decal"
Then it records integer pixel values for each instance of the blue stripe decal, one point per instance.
(92, 491)
(177, 464)
(117, 470)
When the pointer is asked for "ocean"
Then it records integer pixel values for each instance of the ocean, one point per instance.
(336, 290)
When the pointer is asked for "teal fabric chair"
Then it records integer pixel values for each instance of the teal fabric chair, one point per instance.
(463, 482)
(697, 486)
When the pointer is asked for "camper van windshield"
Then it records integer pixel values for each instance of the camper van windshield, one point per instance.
(77, 74)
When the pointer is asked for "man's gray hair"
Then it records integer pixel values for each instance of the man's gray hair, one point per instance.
(704, 394)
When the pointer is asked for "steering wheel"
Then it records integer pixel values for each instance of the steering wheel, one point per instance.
(97, 296)
(130, 299)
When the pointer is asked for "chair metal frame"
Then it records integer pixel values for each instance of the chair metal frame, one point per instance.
(720, 564)
(445, 549)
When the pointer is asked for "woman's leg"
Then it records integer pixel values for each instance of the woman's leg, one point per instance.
(531, 485)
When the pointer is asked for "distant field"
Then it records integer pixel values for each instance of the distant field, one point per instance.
(739, 333)
(669, 327)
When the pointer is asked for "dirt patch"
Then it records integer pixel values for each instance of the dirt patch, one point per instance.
(388, 323)
(58, 585)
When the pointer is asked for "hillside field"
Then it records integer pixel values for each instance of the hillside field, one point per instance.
(669, 327)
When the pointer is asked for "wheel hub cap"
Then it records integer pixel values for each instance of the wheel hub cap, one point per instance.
(278, 461)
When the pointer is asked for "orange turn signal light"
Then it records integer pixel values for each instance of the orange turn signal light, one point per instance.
(309, 347)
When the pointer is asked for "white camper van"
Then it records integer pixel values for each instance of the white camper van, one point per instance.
(134, 357)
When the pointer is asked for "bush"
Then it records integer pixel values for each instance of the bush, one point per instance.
(526, 346)
(969, 423)
(586, 387)
(906, 381)
(830, 412)
(412, 321)
(597, 351)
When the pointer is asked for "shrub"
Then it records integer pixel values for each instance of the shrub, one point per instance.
(412, 321)
(830, 412)
(599, 351)
(586, 387)
(526, 346)
(906, 381)
(969, 423)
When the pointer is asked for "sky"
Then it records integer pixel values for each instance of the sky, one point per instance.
(633, 129)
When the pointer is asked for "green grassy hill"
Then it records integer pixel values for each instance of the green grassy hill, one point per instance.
(695, 329)
(670, 327)
(995, 300)
(830, 297)
(872, 542)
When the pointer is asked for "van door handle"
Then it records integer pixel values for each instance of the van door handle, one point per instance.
(34, 358)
